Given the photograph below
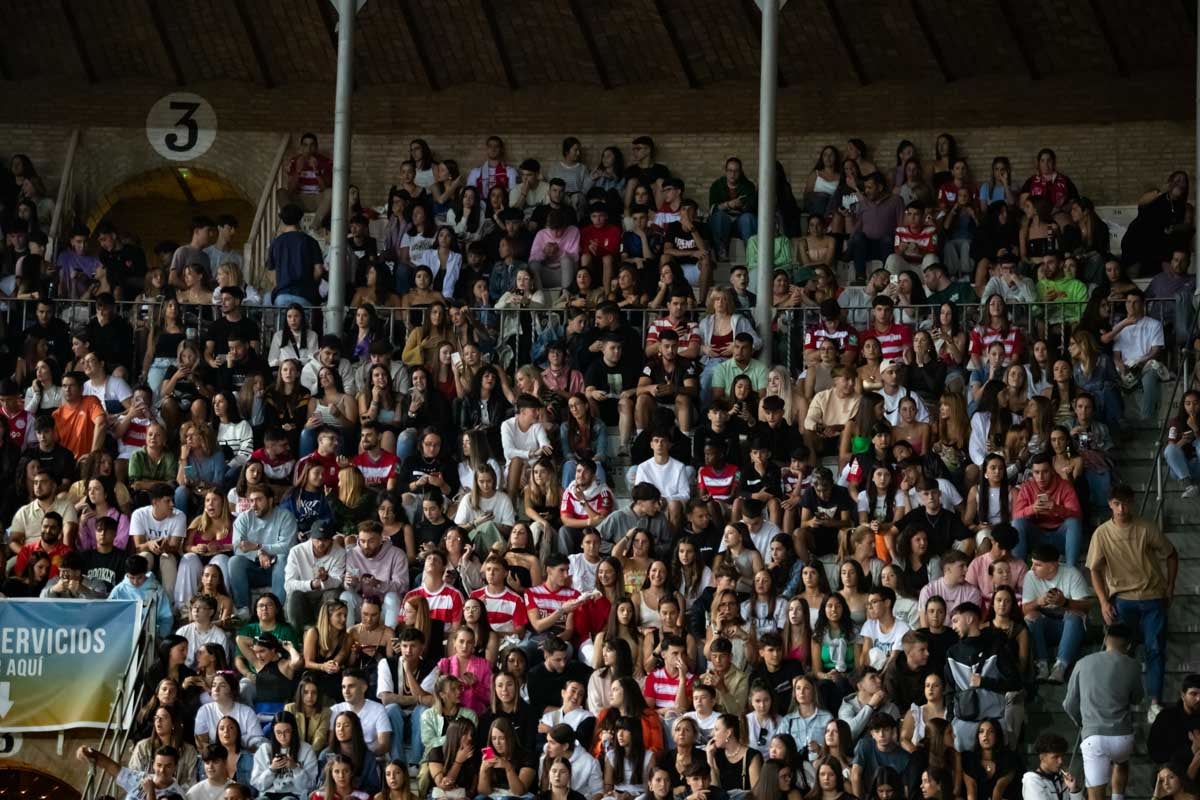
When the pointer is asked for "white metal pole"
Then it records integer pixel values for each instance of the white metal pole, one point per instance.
(336, 307)
(766, 169)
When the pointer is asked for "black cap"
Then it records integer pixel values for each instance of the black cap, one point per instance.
(320, 530)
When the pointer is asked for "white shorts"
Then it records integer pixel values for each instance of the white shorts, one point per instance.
(1100, 753)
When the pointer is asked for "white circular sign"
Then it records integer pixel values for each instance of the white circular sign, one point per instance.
(181, 126)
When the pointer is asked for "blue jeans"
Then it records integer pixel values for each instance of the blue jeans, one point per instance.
(406, 733)
(1067, 537)
(862, 250)
(284, 299)
(1182, 468)
(1099, 484)
(246, 573)
(1150, 617)
(723, 224)
(1066, 632)
(1151, 392)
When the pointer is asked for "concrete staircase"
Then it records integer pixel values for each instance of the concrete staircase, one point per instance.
(1135, 453)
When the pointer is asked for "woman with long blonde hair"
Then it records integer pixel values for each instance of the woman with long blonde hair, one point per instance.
(327, 648)
(1095, 374)
(354, 503)
(952, 434)
(779, 384)
(717, 330)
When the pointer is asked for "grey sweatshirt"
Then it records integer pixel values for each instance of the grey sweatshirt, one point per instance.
(1101, 694)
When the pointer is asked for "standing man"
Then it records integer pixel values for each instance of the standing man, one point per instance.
(1126, 562)
(1100, 697)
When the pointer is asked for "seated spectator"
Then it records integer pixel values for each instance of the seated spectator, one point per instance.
(906, 681)
(881, 750)
(991, 769)
(1050, 184)
(976, 654)
(669, 380)
(732, 201)
(1069, 295)
(1047, 506)
(611, 383)
(201, 465)
(1138, 346)
(375, 568)
(585, 504)
(1049, 781)
(875, 218)
(161, 778)
(261, 541)
(80, 422)
(1056, 599)
(286, 764)
(1124, 559)
(376, 727)
(916, 243)
(1168, 737)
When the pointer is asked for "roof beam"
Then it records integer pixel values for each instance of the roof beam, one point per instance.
(843, 35)
(1106, 32)
(89, 71)
(935, 48)
(256, 48)
(493, 21)
(1014, 28)
(669, 26)
(589, 40)
(160, 28)
(410, 19)
(753, 16)
(329, 17)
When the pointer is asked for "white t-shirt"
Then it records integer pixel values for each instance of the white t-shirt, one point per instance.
(765, 619)
(670, 478)
(143, 523)
(197, 638)
(884, 642)
(373, 717)
(209, 715)
(705, 724)
(1068, 580)
(880, 509)
(583, 573)
(114, 392)
(891, 405)
(207, 791)
(518, 443)
(499, 504)
(950, 497)
(131, 782)
(1136, 341)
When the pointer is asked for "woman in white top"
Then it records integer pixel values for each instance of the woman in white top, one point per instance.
(912, 728)
(112, 392)
(234, 433)
(653, 591)
(44, 394)
(201, 630)
(225, 703)
(294, 340)
(419, 237)
(467, 219)
(765, 609)
(443, 260)
(230, 274)
(286, 764)
(486, 512)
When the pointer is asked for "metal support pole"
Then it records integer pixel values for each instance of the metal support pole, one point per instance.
(767, 87)
(1195, 181)
(336, 307)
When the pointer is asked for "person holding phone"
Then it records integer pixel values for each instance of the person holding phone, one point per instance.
(733, 201)
(1048, 508)
(1180, 453)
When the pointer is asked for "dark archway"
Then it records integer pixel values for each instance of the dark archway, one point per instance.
(158, 205)
(27, 783)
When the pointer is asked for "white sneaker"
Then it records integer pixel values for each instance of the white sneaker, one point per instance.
(1160, 369)
(1155, 710)
(1041, 671)
(1058, 675)
(1191, 491)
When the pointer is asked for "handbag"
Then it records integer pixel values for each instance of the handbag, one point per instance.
(967, 702)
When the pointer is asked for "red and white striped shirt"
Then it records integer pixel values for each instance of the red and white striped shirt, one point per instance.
(892, 341)
(445, 605)
(599, 497)
(546, 601)
(661, 689)
(719, 485)
(688, 332)
(982, 338)
(505, 611)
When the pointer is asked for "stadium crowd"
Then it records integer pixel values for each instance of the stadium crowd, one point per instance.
(393, 563)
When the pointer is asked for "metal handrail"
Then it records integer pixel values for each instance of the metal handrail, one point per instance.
(254, 252)
(115, 736)
(1160, 441)
(65, 184)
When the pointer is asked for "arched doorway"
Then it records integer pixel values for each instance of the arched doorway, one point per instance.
(27, 783)
(158, 205)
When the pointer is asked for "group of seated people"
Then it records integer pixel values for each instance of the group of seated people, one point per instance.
(394, 561)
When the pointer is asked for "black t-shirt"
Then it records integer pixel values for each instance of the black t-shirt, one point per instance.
(646, 176)
(59, 462)
(232, 378)
(185, 391)
(104, 568)
(943, 530)
(468, 773)
(780, 685)
(683, 370)
(783, 440)
(707, 542)
(426, 532)
(539, 215)
(112, 342)
(612, 380)
(218, 333)
(728, 437)
(754, 482)
(682, 239)
(57, 336)
(500, 777)
(825, 537)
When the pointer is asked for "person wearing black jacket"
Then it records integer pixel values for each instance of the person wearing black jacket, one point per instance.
(1169, 732)
(111, 337)
(943, 527)
(428, 467)
(545, 681)
(979, 671)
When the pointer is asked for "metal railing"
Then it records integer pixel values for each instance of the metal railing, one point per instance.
(115, 736)
(262, 230)
(65, 198)
(1182, 383)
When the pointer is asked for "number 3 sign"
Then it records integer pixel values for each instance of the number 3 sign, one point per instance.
(181, 126)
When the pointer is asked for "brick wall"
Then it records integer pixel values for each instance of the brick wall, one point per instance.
(1114, 137)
